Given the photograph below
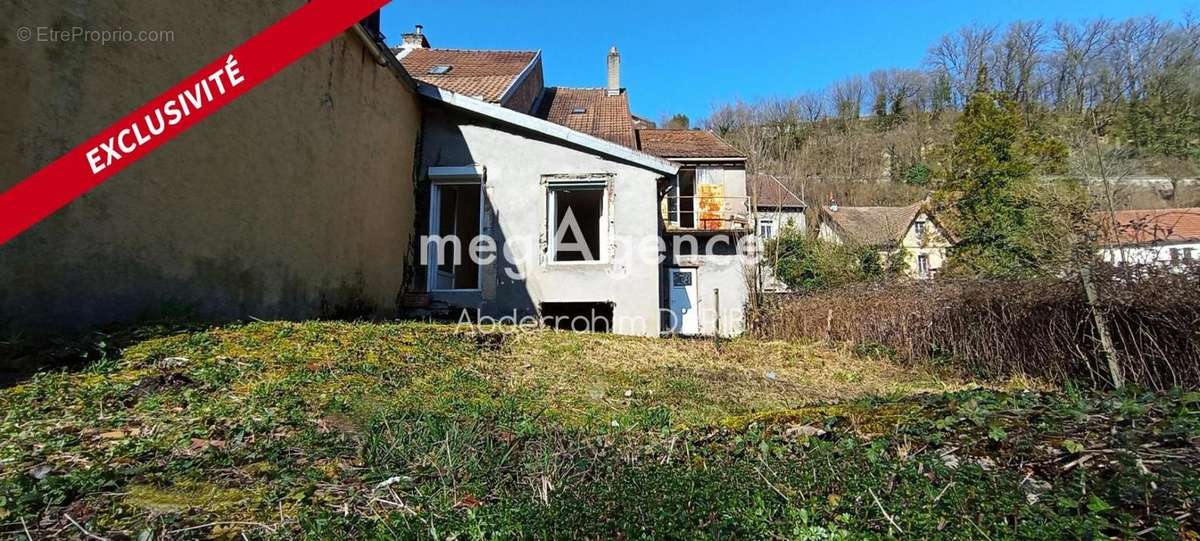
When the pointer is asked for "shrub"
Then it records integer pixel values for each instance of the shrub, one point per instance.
(1042, 327)
(805, 263)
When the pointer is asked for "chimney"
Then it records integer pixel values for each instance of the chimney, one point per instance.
(414, 40)
(614, 72)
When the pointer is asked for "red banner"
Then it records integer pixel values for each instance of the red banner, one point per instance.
(176, 110)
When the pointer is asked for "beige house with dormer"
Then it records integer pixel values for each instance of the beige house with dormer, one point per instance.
(911, 230)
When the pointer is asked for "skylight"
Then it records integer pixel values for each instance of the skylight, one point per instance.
(441, 69)
(579, 110)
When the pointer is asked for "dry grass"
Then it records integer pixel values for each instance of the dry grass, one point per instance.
(696, 378)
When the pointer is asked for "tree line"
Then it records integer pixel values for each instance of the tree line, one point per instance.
(1132, 84)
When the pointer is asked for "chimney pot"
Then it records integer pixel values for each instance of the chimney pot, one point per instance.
(414, 40)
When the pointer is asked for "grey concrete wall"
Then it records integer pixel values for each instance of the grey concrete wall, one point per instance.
(293, 202)
(515, 211)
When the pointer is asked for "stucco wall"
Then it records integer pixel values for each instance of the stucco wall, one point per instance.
(515, 212)
(1159, 253)
(932, 245)
(295, 200)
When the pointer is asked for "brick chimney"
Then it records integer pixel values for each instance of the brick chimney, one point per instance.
(414, 40)
(614, 71)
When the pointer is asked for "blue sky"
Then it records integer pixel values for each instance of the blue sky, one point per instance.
(686, 56)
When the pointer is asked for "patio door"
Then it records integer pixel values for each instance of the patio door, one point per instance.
(685, 319)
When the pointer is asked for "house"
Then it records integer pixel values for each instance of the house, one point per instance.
(705, 212)
(776, 209)
(1139, 237)
(576, 199)
(911, 229)
(295, 201)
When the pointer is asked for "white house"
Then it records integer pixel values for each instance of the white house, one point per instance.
(776, 208)
(572, 201)
(1141, 237)
(911, 229)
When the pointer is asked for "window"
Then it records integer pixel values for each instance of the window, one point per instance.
(766, 228)
(923, 266)
(579, 110)
(681, 199)
(578, 221)
(441, 69)
(919, 228)
(454, 222)
(1176, 255)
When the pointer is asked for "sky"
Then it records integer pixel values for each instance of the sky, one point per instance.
(687, 56)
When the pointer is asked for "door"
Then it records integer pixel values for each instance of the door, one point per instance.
(685, 319)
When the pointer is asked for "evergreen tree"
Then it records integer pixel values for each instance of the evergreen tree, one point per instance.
(991, 189)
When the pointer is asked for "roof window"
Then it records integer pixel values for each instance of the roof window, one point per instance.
(440, 69)
(579, 110)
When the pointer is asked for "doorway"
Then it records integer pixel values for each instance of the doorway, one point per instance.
(685, 318)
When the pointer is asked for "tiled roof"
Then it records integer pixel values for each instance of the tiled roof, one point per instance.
(685, 144)
(482, 74)
(1148, 226)
(603, 116)
(874, 226)
(769, 192)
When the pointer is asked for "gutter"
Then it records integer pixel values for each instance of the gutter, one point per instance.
(383, 55)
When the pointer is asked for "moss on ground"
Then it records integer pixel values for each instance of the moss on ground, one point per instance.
(366, 430)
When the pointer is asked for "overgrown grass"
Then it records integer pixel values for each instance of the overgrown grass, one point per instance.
(337, 430)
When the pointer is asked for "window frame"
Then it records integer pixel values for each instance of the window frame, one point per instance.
(552, 187)
(435, 204)
(770, 222)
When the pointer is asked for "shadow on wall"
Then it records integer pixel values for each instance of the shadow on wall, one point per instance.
(462, 206)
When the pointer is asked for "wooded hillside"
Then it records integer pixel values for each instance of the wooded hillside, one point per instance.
(1127, 92)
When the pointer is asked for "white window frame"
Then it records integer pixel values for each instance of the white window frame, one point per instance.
(602, 185)
(450, 176)
(768, 222)
(919, 228)
(923, 261)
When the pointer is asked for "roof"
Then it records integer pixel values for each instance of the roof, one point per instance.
(549, 129)
(769, 192)
(1148, 226)
(875, 226)
(589, 110)
(487, 75)
(686, 144)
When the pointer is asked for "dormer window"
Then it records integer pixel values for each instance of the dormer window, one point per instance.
(440, 69)
(579, 110)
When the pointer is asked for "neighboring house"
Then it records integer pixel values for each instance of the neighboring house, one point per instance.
(912, 229)
(516, 169)
(776, 208)
(295, 201)
(1139, 237)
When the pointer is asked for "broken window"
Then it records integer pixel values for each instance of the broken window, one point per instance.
(577, 222)
(455, 210)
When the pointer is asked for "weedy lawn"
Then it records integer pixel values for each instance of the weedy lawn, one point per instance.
(364, 430)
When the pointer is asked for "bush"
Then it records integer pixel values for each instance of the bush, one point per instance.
(1042, 328)
(806, 264)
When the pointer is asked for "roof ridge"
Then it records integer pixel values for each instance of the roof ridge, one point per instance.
(455, 49)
